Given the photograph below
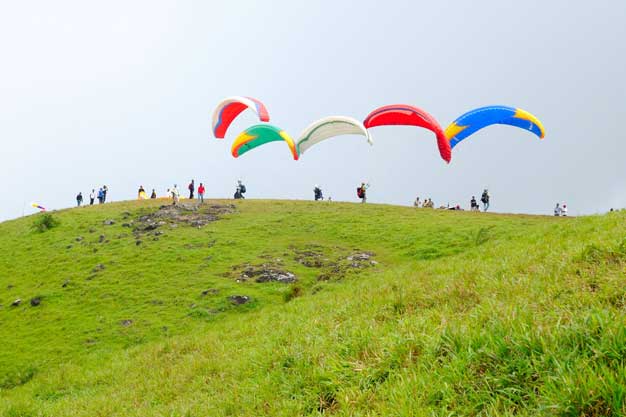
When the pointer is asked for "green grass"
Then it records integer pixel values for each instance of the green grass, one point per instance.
(464, 314)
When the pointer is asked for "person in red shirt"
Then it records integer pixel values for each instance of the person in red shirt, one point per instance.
(201, 191)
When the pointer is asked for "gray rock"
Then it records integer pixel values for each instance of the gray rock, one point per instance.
(16, 302)
(35, 301)
(239, 299)
(102, 238)
(109, 222)
(210, 291)
(360, 257)
(65, 283)
(80, 239)
(98, 268)
(277, 276)
(126, 323)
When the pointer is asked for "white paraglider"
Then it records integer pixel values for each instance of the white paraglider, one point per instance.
(329, 127)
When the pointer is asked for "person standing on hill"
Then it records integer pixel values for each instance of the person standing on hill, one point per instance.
(141, 194)
(557, 210)
(564, 210)
(79, 199)
(240, 191)
(92, 197)
(361, 192)
(192, 189)
(485, 200)
(175, 195)
(201, 191)
(417, 202)
(474, 204)
(105, 191)
(153, 196)
(100, 196)
(317, 193)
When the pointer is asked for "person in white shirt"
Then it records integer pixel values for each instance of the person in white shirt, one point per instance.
(175, 194)
(557, 210)
(564, 210)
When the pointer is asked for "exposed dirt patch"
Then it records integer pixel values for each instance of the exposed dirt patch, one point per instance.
(312, 256)
(354, 263)
(186, 214)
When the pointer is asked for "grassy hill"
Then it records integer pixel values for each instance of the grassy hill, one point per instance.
(280, 308)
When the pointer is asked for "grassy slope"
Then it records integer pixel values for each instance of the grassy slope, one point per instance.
(466, 314)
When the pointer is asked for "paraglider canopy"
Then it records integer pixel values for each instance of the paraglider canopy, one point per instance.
(329, 127)
(472, 121)
(38, 206)
(258, 135)
(406, 115)
(228, 109)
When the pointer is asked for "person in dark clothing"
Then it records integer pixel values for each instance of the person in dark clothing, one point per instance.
(79, 199)
(153, 196)
(474, 204)
(317, 192)
(101, 196)
(105, 191)
(240, 191)
(485, 200)
(192, 189)
(361, 192)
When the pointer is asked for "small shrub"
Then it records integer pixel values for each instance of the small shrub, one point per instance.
(294, 292)
(45, 222)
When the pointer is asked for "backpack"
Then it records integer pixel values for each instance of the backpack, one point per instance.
(242, 189)
(359, 192)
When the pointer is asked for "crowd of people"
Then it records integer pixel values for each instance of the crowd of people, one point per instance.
(101, 195)
(174, 193)
(428, 203)
(199, 192)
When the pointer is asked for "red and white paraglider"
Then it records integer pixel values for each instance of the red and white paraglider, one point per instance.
(228, 109)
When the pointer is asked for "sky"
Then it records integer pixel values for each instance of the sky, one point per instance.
(121, 93)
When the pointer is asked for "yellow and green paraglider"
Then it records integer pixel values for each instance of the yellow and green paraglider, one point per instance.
(472, 121)
(258, 135)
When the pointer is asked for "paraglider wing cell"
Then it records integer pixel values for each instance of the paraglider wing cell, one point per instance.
(228, 110)
(475, 120)
(329, 127)
(258, 135)
(406, 115)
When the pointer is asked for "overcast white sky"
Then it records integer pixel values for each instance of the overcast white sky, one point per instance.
(120, 93)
